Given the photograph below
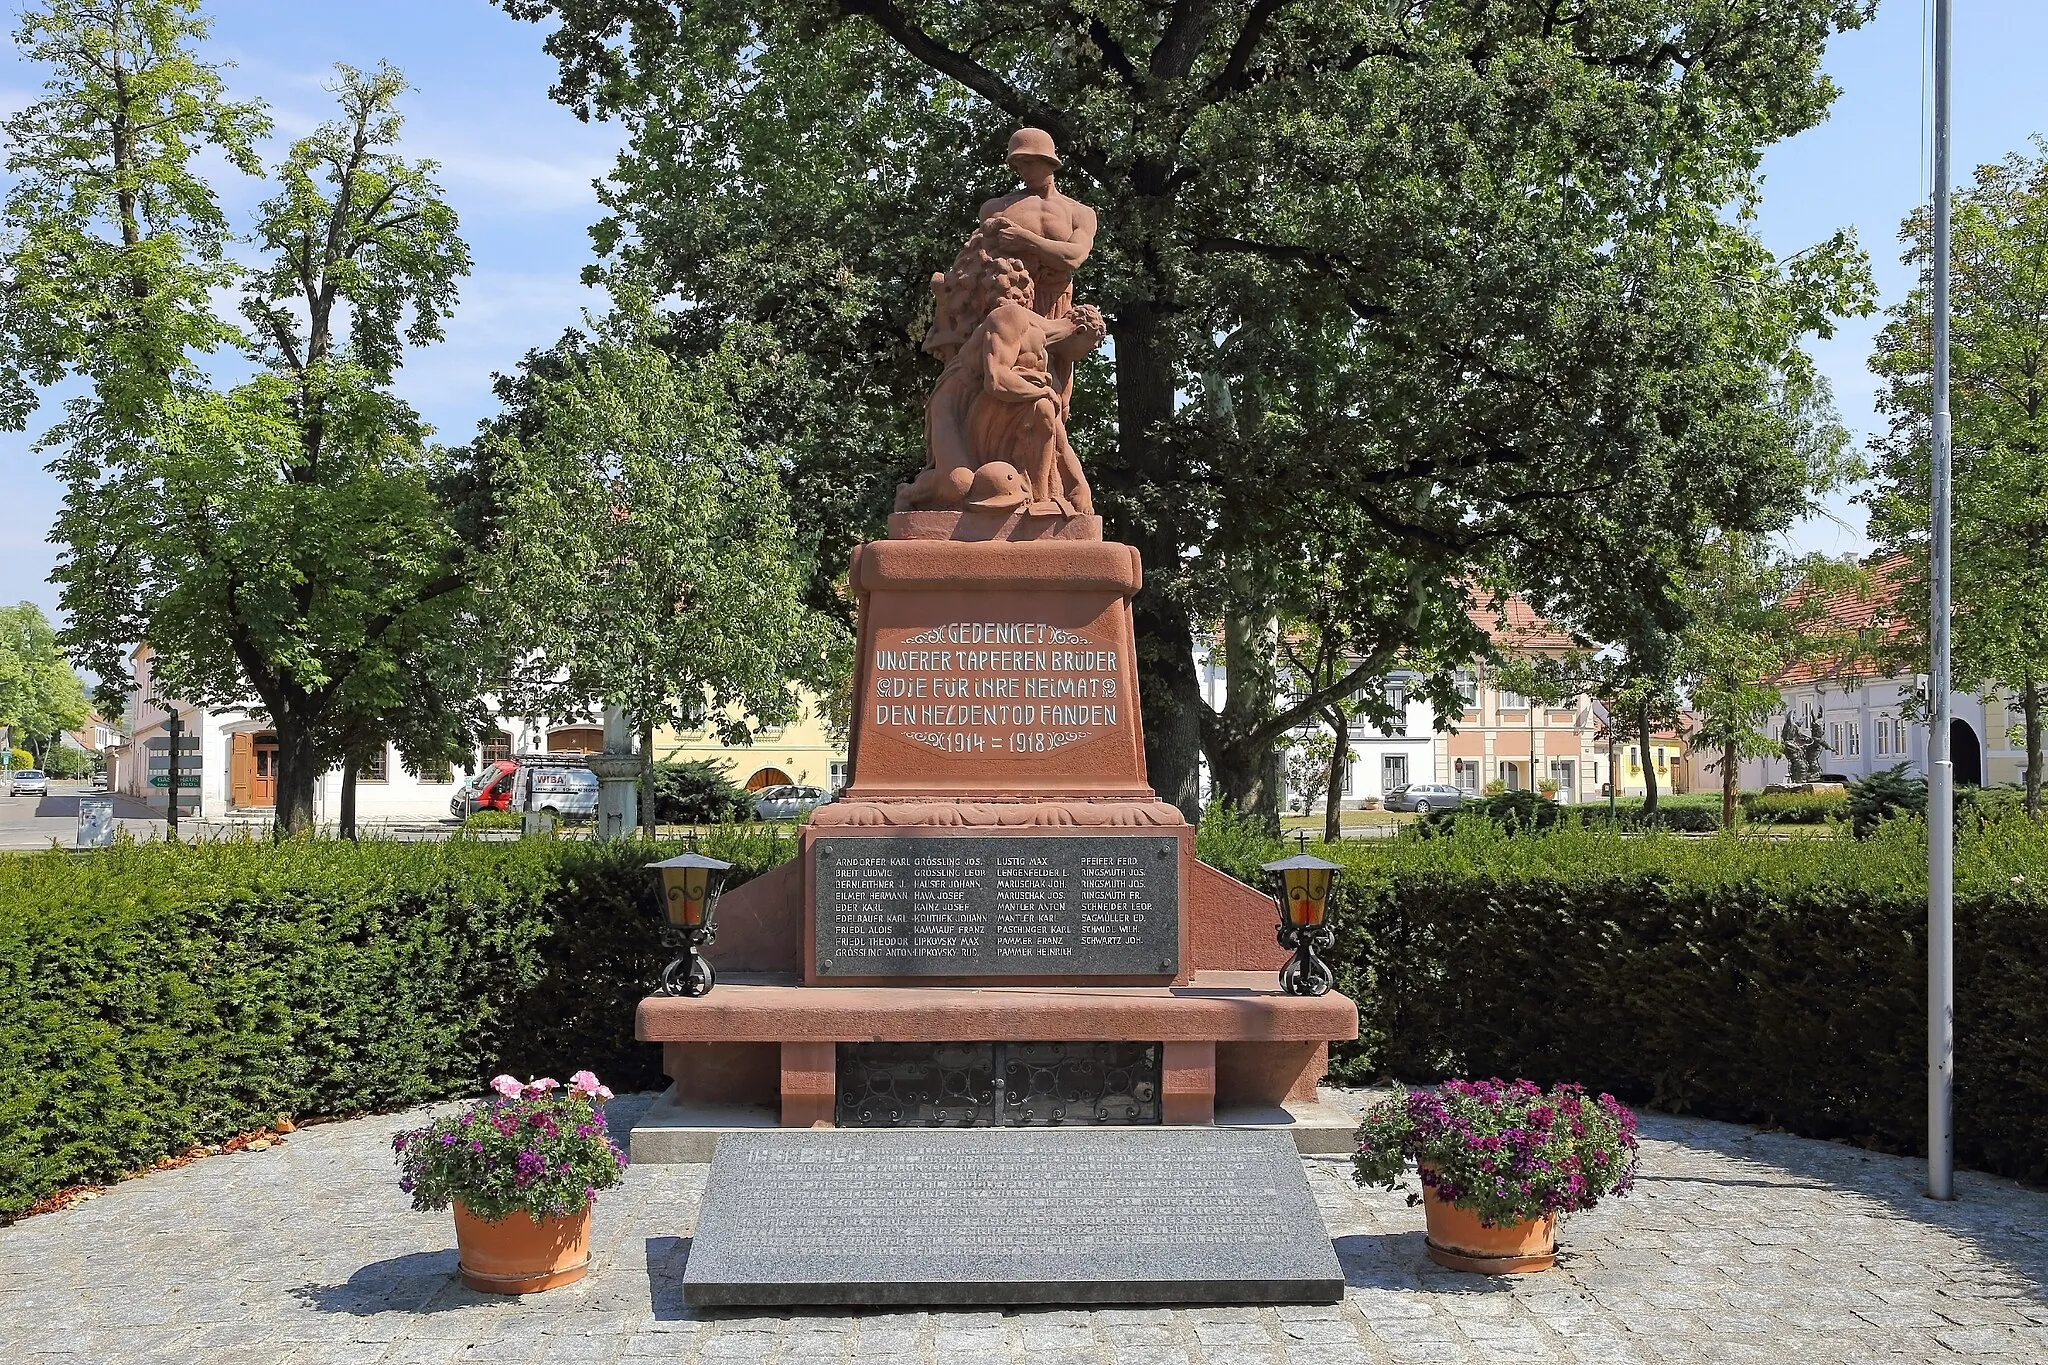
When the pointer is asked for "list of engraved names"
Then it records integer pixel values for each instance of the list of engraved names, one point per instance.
(995, 687)
(973, 906)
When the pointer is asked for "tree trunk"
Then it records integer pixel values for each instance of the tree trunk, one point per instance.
(1169, 691)
(1728, 776)
(1249, 777)
(298, 773)
(1340, 763)
(1649, 765)
(345, 821)
(647, 778)
(2030, 708)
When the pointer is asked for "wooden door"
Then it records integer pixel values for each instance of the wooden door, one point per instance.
(241, 768)
(263, 781)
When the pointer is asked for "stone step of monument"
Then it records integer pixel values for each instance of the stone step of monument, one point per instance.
(686, 1132)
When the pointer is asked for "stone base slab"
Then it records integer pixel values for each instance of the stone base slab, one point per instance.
(684, 1132)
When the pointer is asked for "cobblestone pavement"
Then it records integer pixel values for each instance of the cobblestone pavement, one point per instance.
(1738, 1246)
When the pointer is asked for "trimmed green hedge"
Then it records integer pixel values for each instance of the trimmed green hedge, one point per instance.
(153, 996)
(1796, 808)
(1754, 980)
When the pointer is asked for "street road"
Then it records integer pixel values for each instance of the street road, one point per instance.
(33, 821)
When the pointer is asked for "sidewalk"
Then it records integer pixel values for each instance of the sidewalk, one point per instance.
(1738, 1246)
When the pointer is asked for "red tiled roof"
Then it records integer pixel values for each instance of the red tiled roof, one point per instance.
(1867, 612)
(1515, 625)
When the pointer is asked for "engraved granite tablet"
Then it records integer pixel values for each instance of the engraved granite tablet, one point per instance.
(983, 905)
(1021, 1216)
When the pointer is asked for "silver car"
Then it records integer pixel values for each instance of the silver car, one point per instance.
(1424, 797)
(788, 803)
(28, 782)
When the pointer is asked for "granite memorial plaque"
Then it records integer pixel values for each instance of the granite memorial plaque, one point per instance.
(987, 905)
(1009, 1216)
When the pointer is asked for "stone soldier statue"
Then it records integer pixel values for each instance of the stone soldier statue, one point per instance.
(1009, 333)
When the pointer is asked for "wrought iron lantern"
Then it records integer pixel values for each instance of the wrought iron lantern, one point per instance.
(1301, 888)
(690, 884)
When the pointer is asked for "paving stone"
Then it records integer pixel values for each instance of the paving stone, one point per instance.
(1740, 1247)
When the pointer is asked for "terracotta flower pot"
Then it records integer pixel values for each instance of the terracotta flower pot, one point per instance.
(519, 1255)
(1457, 1240)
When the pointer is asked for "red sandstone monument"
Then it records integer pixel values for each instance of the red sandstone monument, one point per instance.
(998, 922)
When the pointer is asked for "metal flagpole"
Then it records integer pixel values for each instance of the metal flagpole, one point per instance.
(1941, 773)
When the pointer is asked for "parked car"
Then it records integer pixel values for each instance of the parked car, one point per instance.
(788, 803)
(28, 782)
(1424, 797)
(565, 790)
(99, 782)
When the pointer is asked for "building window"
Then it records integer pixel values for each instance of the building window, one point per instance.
(437, 772)
(840, 772)
(1468, 688)
(497, 747)
(1393, 771)
(1898, 736)
(1660, 757)
(376, 767)
(1855, 737)
(1397, 698)
(1835, 736)
(1513, 701)
(1466, 774)
(1884, 735)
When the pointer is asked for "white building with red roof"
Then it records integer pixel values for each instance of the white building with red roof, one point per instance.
(1869, 707)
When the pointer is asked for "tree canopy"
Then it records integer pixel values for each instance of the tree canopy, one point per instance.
(1462, 296)
(295, 540)
(648, 560)
(1999, 425)
(39, 694)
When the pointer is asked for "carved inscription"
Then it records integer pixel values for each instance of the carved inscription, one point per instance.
(1136, 1215)
(1017, 906)
(995, 687)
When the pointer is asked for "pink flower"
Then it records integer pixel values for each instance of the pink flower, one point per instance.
(543, 1085)
(507, 1087)
(584, 1083)
(604, 1092)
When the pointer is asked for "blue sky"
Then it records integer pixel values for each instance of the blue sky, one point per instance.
(518, 169)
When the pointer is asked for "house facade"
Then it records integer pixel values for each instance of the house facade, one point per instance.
(806, 751)
(1872, 716)
(1498, 736)
(227, 764)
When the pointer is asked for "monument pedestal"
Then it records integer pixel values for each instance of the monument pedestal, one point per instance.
(998, 924)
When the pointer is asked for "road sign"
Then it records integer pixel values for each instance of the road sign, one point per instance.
(95, 824)
(186, 781)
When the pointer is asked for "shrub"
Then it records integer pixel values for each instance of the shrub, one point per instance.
(1525, 811)
(1884, 795)
(20, 758)
(698, 793)
(70, 764)
(1779, 982)
(1795, 808)
(493, 819)
(157, 995)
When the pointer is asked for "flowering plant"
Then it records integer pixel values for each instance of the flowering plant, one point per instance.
(1504, 1150)
(538, 1146)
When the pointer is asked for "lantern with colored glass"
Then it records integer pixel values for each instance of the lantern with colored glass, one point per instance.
(689, 886)
(1301, 888)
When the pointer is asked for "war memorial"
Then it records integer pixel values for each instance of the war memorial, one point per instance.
(996, 1035)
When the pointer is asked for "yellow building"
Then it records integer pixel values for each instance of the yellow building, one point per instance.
(804, 752)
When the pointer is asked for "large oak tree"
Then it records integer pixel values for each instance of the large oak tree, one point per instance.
(1462, 287)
